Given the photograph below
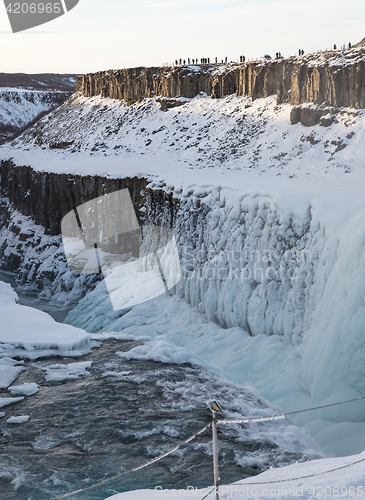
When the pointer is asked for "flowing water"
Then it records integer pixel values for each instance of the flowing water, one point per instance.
(122, 413)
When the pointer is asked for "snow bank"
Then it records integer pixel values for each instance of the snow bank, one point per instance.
(326, 478)
(29, 329)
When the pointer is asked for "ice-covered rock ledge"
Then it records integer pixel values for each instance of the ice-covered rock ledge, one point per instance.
(30, 329)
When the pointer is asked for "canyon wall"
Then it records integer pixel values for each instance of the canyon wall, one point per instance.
(335, 78)
(48, 197)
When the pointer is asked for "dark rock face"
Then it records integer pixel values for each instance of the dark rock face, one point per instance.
(32, 205)
(313, 115)
(48, 197)
(292, 80)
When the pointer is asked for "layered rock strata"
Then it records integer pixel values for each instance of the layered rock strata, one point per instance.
(333, 77)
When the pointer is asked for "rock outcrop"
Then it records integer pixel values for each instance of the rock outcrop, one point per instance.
(333, 77)
(310, 115)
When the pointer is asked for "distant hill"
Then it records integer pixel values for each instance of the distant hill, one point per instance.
(41, 81)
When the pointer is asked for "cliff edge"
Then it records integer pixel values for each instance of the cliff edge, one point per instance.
(335, 77)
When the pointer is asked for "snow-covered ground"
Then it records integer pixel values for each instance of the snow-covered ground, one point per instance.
(327, 478)
(234, 133)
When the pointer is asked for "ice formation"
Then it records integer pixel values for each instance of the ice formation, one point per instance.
(30, 329)
(9, 371)
(21, 419)
(271, 284)
(26, 389)
(9, 401)
(71, 371)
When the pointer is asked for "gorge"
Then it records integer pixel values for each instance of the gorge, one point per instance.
(266, 204)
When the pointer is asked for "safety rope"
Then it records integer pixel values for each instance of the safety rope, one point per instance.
(282, 415)
(223, 421)
(160, 457)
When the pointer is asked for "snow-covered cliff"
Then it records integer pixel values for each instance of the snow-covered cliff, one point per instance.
(19, 107)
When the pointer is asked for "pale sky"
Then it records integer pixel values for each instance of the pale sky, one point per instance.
(98, 35)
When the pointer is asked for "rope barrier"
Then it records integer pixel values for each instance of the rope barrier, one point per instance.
(221, 421)
(160, 457)
(282, 415)
(252, 419)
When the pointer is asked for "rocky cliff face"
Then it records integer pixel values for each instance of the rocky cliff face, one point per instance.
(48, 197)
(334, 77)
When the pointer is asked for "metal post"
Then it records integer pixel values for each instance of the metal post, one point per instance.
(215, 456)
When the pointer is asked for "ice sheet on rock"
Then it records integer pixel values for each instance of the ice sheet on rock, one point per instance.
(31, 329)
(9, 401)
(71, 371)
(121, 375)
(164, 351)
(26, 389)
(21, 419)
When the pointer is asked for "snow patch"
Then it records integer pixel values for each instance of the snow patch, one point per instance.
(71, 371)
(26, 389)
